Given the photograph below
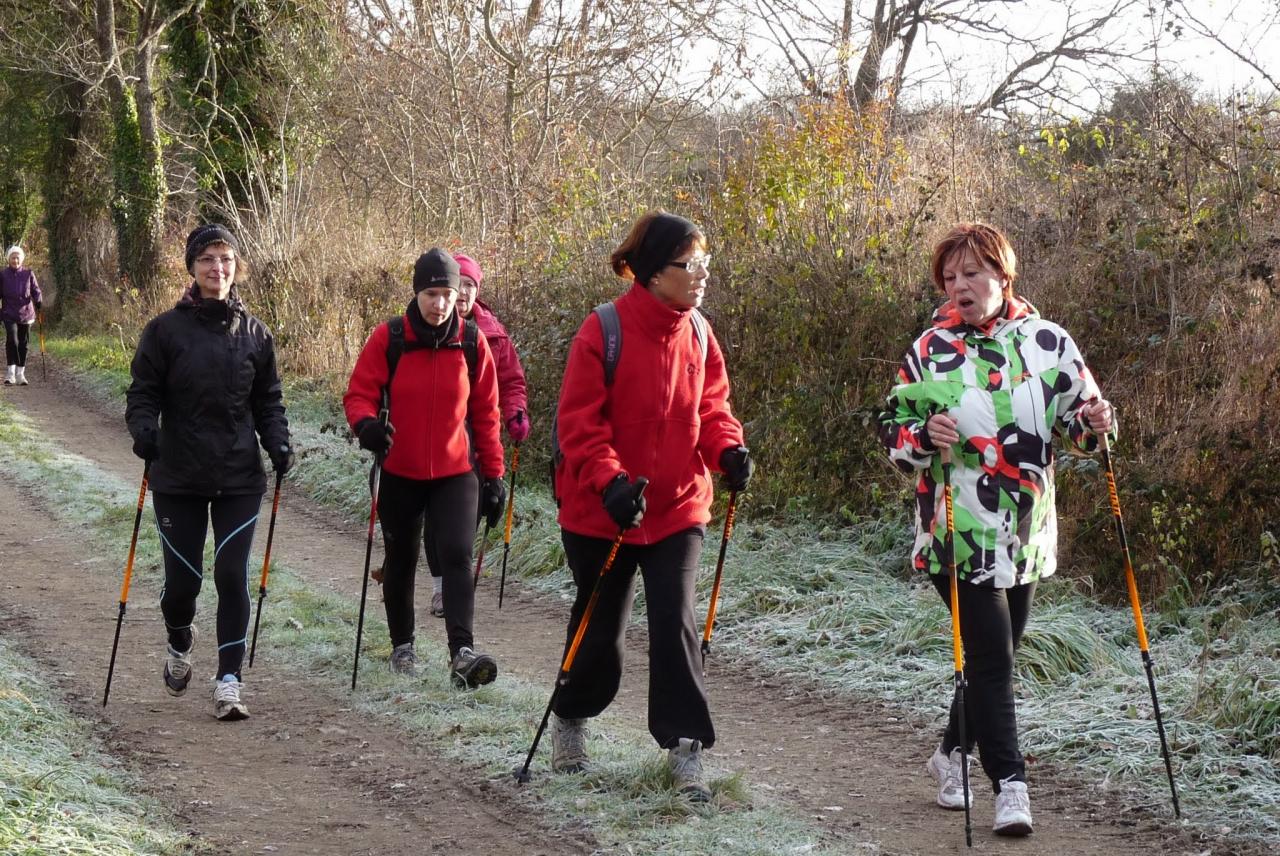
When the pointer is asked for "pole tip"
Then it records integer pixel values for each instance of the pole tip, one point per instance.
(522, 775)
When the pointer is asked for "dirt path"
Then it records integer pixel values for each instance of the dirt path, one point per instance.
(855, 767)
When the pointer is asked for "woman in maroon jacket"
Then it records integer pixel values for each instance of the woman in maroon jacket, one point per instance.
(663, 416)
(427, 472)
(19, 302)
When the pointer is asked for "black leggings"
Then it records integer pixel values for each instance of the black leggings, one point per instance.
(182, 522)
(991, 624)
(16, 336)
(450, 504)
(677, 699)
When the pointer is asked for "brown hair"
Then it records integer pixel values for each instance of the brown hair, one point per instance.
(642, 254)
(985, 243)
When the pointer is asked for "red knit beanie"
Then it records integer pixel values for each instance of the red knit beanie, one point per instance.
(467, 267)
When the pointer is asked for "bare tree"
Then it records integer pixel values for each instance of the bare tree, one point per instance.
(865, 51)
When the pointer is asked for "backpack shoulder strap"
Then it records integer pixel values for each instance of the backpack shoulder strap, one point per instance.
(700, 332)
(471, 347)
(395, 346)
(611, 331)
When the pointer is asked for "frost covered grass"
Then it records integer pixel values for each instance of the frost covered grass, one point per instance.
(835, 607)
(627, 801)
(59, 793)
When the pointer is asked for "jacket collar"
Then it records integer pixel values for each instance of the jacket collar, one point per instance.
(655, 318)
(1015, 310)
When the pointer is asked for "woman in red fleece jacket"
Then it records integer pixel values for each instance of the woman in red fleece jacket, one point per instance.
(427, 472)
(665, 418)
(512, 396)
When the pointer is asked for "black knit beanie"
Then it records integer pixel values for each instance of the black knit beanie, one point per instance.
(203, 236)
(661, 240)
(435, 269)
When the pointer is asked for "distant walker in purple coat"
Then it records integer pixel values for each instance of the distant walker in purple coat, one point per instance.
(20, 299)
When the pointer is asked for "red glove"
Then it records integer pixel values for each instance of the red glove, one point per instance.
(518, 427)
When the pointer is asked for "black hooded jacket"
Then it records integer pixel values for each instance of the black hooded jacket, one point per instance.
(205, 374)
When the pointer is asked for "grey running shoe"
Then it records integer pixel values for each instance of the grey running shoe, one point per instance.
(685, 761)
(226, 700)
(1013, 809)
(177, 668)
(948, 773)
(403, 660)
(472, 669)
(437, 604)
(568, 745)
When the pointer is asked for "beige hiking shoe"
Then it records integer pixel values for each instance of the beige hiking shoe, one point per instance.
(568, 745)
(685, 761)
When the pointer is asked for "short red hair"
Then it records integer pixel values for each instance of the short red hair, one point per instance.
(986, 243)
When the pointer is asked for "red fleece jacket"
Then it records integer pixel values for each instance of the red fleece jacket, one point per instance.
(432, 399)
(666, 417)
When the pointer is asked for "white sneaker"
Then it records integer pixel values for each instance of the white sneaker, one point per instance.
(948, 773)
(568, 745)
(686, 770)
(21, 376)
(1013, 809)
(9, 374)
(226, 699)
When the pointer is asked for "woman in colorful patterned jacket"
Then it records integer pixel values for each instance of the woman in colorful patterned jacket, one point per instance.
(995, 382)
(663, 416)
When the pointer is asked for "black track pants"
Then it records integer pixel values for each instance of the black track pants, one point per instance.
(677, 699)
(182, 522)
(450, 504)
(16, 336)
(991, 624)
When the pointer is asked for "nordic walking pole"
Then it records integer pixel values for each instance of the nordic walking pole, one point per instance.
(484, 540)
(522, 775)
(1105, 446)
(506, 535)
(957, 649)
(128, 576)
(266, 565)
(44, 361)
(729, 514)
(383, 416)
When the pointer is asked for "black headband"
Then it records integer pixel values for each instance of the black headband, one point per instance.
(661, 240)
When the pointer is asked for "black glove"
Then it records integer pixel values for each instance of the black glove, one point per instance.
(147, 444)
(738, 467)
(624, 500)
(375, 436)
(281, 458)
(492, 494)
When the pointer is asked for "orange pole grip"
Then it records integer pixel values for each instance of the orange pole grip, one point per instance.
(591, 605)
(133, 542)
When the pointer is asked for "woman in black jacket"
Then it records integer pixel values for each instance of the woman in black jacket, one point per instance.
(204, 383)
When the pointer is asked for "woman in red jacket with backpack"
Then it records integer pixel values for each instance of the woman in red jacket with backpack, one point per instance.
(663, 416)
(434, 394)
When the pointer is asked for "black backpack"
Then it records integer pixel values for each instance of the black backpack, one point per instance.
(611, 333)
(397, 346)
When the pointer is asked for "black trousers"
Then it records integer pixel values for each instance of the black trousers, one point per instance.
(183, 522)
(991, 624)
(677, 699)
(429, 539)
(16, 336)
(450, 504)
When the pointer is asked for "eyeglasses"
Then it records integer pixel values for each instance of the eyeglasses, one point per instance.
(694, 264)
(210, 261)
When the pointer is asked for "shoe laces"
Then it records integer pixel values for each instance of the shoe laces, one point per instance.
(571, 736)
(227, 691)
(955, 770)
(1013, 796)
(686, 761)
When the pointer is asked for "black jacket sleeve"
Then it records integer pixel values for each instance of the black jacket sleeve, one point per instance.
(145, 395)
